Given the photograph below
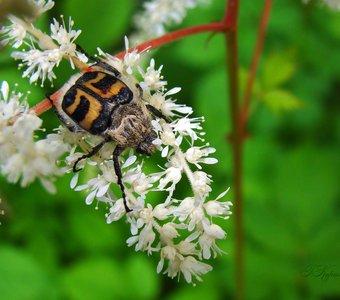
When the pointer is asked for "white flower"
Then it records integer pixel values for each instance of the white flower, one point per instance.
(117, 211)
(16, 33)
(146, 236)
(138, 181)
(158, 14)
(171, 175)
(189, 209)
(192, 267)
(99, 185)
(42, 6)
(65, 39)
(21, 157)
(216, 208)
(201, 183)
(332, 4)
(197, 155)
(207, 240)
(40, 64)
(188, 127)
(45, 51)
(152, 77)
(189, 266)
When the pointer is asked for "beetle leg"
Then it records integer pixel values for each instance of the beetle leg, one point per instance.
(151, 108)
(157, 113)
(94, 151)
(99, 62)
(71, 127)
(118, 150)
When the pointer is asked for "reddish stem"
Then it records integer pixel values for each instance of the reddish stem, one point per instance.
(173, 36)
(45, 104)
(255, 62)
(231, 18)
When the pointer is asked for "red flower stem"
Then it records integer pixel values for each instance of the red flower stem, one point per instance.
(173, 36)
(231, 18)
(45, 104)
(255, 61)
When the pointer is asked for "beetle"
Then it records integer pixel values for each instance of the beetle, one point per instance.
(102, 104)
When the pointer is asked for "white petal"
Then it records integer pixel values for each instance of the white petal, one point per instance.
(174, 90)
(74, 181)
(129, 161)
(90, 197)
(165, 151)
(103, 190)
(222, 194)
(209, 161)
(5, 90)
(160, 266)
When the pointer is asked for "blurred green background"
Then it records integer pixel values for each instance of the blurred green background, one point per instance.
(56, 247)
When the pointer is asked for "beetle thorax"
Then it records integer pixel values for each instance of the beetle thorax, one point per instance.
(131, 127)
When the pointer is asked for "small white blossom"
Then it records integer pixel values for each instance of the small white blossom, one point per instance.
(42, 6)
(45, 52)
(332, 4)
(216, 208)
(159, 14)
(188, 127)
(197, 155)
(207, 240)
(14, 34)
(202, 183)
(21, 157)
(152, 78)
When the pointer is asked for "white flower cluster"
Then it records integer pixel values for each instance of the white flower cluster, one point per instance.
(42, 52)
(181, 230)
(159, 14)
(332, 4)
(21, 157)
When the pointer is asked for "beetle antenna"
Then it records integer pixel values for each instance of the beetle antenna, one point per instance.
(80, 49)
(99, 62)
(118, 150)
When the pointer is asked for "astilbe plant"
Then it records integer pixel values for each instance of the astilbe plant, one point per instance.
(181, 231)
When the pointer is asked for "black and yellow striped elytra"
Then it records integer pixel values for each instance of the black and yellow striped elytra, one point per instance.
(92, 100)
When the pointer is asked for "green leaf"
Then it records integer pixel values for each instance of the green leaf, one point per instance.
(278, 69)
(103, 23)
(22, 278)
(200, 291)
(281, 100)
(96, 278)
(142, 278)
(91, 232)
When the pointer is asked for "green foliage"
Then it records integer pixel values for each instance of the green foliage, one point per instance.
(277, 69)
(94, 278)
(281, 100)
(103, 23)
(22, 277)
